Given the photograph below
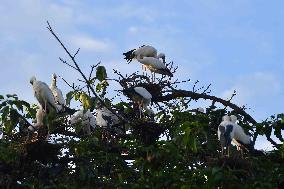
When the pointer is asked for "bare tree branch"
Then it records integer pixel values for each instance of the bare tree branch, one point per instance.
(182, 93)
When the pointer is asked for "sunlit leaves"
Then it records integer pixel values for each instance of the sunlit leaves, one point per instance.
(85, 100)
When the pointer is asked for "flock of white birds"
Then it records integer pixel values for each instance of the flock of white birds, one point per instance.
(51, 98)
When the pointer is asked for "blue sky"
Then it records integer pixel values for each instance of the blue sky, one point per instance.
(235, 45)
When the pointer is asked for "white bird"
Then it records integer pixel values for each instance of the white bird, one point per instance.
(86, 118)
(39, 119)
(225, 134)
(106, 118)
(233, 118)
(142, 97)
(44, 95)
(240, 138)
(155, 65)
(57, 93)
(229, 131)
(144, 51)
(200, 109)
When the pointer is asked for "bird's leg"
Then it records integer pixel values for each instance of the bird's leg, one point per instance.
(140, 110)
(45, 106)
(228, 149)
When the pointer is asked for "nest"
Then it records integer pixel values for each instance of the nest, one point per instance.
(147, 132)
(42, 151)
(153, 88)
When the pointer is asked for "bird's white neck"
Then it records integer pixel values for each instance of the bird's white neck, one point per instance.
(53, 83)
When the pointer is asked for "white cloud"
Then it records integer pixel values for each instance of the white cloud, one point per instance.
(257, 85)
(133, 29)
(90, 44)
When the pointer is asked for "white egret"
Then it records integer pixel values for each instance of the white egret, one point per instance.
(44, 95)
(57, 93)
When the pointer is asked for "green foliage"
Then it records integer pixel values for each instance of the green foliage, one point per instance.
(101, 73)
(175, 149)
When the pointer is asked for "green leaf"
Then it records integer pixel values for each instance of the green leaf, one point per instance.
(85, 100)
(69, 97)
(101, 73)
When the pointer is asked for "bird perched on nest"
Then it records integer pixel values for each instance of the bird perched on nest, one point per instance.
(86, 118)
(147, 51)
(44, 95)
(57, 93)
(142, 97)
(229, 131)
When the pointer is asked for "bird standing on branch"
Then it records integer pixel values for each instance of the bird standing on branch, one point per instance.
(225, 134)
(57, 93)
(144, 51)
(229, 131)
(44, 95)
(240, 138)
(155, 66)
(142, 97)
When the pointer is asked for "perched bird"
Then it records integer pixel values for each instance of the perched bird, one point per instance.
(200, 110)
(86, 118)
(225, 133)
(39, 119)
(44, 95)
(142, 97)
(143, 51)
(229, 131)
(233, 118)
(240, 138)
(57, 93)
(105, 118)
(155, 66)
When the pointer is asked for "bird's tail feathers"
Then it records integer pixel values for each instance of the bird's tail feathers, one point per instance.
(129, 56)
(165, 71)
